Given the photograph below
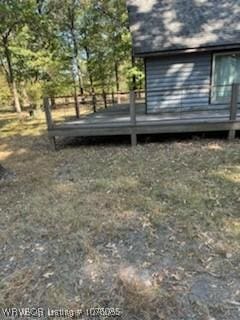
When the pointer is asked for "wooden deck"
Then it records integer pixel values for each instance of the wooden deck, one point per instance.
(132, 120)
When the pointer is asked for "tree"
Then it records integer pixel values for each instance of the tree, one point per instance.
(14, 14)
(105, 37)
(53, 46)
(65, 14)
(5, 94)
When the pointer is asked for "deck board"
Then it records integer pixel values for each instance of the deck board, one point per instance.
(120, 116)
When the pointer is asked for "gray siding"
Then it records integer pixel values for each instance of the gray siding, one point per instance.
(178, 82)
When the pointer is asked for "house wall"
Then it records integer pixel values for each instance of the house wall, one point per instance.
(178, 82)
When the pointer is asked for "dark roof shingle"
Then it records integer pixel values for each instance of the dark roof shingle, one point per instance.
(162, 25)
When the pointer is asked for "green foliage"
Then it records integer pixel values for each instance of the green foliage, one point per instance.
(105, 35)
(137, 73)
(59, 87)
(34, 92)
(50, 46)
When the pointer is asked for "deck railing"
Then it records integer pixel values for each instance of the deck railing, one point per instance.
(65, 108)
(232, 102)
(230, 107)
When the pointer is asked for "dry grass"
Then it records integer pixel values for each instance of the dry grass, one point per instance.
(154, 230)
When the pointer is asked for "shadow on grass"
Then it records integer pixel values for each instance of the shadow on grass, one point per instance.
(112, 141)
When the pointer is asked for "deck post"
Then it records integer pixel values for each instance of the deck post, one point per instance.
(233, 108)
(49, 119)
(48, 112)
(133, 118)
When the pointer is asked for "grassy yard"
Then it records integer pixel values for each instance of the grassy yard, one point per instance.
(154, 231)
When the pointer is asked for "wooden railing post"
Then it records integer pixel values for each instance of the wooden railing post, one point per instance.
(233, 108)
(133, 118)
(49, 119)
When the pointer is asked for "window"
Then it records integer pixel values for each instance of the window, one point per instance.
(226, 71)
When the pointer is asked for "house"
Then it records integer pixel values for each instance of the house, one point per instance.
(191, 50)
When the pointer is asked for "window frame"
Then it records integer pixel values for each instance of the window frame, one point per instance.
(214, 55)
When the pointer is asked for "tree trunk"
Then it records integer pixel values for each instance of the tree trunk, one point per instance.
(91, 79)
(16, 98)
(77, 108)
(117, 77)
(117, 83)
(113, 98)
(75, 49)
(104, 98)
(94, 102)
(134, 85)
(26, 100)
(93, 94)
(79, 73)
(11, 78)
(53, 102)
